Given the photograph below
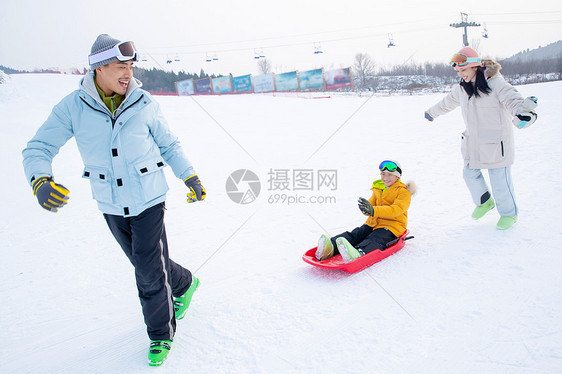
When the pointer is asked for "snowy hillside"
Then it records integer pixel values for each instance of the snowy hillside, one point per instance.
(3, 77)
(551, 51)
(462, 297)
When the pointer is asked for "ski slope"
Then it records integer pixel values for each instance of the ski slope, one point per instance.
(462, 297)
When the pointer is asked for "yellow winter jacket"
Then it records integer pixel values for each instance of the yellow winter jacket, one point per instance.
(391, 207)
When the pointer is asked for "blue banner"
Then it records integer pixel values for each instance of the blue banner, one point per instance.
(264, 83)
(287, 81)
(185, 87)
(222, 85)
(311, 80)
(203, 86)
(242, 84)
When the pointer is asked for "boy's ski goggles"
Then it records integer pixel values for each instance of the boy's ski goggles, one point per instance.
(459, 59)
(389, 166)
(123, 51)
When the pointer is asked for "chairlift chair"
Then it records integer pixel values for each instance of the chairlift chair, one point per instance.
(317, 48)
(390, 41)
(258, 54)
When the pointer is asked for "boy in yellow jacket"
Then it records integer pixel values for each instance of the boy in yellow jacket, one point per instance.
(387, 210)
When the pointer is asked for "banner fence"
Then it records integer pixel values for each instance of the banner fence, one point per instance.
(293, 81)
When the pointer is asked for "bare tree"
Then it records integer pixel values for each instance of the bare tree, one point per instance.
(264, 66)
(363, 68)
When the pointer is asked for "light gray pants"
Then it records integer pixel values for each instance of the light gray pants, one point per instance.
(502, 188)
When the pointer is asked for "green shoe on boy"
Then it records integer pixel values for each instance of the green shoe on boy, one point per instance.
(506, 222)
(158, 351)
(347, 251)
(325, 248)
(182, 303)
(481, 210)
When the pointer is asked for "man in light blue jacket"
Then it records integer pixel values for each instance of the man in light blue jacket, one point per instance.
(125, 143)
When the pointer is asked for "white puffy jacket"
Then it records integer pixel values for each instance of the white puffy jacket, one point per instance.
(487, 141)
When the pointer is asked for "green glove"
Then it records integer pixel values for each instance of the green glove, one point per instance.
(365, 207)
(196, 190)
(51, 196)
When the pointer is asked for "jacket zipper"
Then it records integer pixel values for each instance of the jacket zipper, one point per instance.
(123, 111)
(113, 120)
(97, 110)
(502, 147)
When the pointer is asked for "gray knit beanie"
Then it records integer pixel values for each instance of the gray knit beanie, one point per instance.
(103, 43)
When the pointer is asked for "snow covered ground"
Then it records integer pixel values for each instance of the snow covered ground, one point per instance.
(462, 297)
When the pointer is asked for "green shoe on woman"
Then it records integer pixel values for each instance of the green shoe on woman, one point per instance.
(481, 210)
(182, 303)
(506, 222)
(158, 351)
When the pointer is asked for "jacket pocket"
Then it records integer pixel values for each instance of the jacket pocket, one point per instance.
(100, 183)
(491, 152)
(490, 145)
(152, 178)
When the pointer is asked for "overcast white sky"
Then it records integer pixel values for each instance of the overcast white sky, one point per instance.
(60, 33)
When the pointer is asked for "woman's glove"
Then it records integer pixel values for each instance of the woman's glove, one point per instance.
(526, 117)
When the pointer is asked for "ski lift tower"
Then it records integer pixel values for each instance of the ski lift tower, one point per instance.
(465, 24)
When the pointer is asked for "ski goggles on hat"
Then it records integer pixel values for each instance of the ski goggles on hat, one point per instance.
(123, 51)
(460, 59)
(389, 166)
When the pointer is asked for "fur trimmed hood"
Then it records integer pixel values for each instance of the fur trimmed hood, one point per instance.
(412, 187)
(492, 67)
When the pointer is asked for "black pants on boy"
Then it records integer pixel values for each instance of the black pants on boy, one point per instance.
(159, 279)
(365, 239)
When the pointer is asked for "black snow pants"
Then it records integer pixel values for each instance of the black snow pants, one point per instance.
(365, 239)
(159, 279)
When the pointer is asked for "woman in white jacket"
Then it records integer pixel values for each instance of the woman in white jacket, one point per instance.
(490, 107)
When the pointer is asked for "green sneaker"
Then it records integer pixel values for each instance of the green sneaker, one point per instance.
(506, 222)
(158, 351)
(481, 210)
(182, 303)
(325, 248)
(347, 251)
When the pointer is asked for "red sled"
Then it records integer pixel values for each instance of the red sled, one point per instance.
(361, 263)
